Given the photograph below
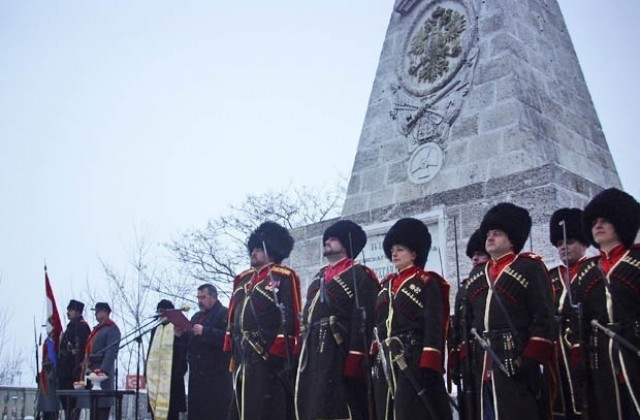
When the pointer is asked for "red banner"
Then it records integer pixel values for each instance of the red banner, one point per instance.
(131, 382)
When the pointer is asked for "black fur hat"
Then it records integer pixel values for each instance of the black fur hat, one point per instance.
(476, 244)
(75, 305)
(341, 230)
(411, 233)
(620, 208)
(277, 239)
(512, 220)
(573, 223)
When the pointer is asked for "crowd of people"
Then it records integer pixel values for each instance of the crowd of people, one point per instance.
(521, 340)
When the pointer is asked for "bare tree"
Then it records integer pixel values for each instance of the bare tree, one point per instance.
(212, 254)
(128, 293)
(11, 360)
(215, 253)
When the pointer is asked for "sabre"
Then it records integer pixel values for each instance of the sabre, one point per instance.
(384, 362)
(486, 347)
(616, 337)
(402, 364)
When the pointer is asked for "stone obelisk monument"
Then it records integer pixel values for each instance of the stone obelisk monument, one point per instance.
(474, 102)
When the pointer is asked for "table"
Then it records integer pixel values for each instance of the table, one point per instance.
(94, 396)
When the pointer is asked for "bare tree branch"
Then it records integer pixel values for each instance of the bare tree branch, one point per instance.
(215, 253)
(11, 360)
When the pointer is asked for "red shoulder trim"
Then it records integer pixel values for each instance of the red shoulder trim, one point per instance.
(530, 255)
(434, 275)
(635, 246)
(239, 277)
(282, 270)
(387, 278)
(371, 273)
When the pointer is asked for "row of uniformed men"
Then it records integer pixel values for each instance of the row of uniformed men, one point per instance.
(369, 349)
(586, 372)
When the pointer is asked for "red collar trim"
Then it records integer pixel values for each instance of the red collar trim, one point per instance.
(333, 270)
(611, 258)
(496, 266)
(402, 276)
(260, 274)
(575, 267)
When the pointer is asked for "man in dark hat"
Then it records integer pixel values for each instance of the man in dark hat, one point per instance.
(101, 351)
(565, 233)
(209, 386)
(608, 288)
(476, 250)
(566, 224)
(71, 355)
(338, 319)
(165, 368)
(263, 328)
(333, 374)
(510, 305)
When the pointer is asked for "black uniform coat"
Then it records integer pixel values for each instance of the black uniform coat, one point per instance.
(71, 356)
(263, 374)
(568, 400)
(413, 309)
(521, 288)
(330, 380)
(614, 301)
(209, 377)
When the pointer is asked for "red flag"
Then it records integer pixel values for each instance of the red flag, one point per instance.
(54, 330)
(54, 325)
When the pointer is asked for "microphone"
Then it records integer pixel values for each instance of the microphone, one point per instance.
(161, 312)
(185, 308)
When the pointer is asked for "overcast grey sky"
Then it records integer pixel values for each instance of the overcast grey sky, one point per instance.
(115, 114)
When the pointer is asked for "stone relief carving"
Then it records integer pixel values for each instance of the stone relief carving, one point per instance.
(439, 56)
(437, 40)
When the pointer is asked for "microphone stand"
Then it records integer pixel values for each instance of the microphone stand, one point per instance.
(136, 335)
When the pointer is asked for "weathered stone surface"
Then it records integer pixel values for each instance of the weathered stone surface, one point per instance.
(465, 126)
(374, 179)
(523, 130)
(502, 114)
(480, 98)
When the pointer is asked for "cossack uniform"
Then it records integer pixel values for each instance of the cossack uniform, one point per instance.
(510, 305)
(264, 349)
(337, 323)
(412, 316)
(608, 287)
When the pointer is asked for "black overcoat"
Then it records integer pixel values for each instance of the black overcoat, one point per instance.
(209, 377)
(264, 368)
(330, 381)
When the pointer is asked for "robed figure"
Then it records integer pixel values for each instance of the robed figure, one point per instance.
(165, 369)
